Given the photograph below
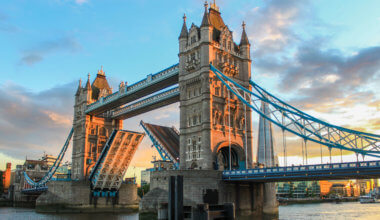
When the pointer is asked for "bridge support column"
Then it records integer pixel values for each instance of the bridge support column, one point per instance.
(270, 205)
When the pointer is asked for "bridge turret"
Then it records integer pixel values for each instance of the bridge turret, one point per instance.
(183, 36)
(245, 51)
(88, 90)
(206, 28)
(244, 43)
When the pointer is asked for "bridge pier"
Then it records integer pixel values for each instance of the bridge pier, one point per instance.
(75, 196)
(200, 187)
(270, 205)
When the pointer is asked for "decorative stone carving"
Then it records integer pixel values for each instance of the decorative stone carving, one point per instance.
(192, 61)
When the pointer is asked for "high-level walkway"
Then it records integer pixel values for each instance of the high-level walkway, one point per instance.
(151, 84)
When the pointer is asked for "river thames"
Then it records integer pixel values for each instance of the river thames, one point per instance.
(351, 210)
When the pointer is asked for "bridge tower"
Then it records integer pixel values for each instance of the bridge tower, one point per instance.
(212, 121)
(90, 132)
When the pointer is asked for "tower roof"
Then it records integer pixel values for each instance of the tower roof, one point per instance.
(215, 18)
(100, 83)
(184, 32)
(244, 38)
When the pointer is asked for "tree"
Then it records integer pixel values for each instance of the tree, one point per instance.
(141, 191)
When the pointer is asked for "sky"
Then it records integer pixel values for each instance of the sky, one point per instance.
(321, 56)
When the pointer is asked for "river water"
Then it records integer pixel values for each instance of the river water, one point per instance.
(325, 211)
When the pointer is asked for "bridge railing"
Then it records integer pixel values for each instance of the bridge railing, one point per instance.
(54, 167)
(304, 168)
(145, 102)
(149, 80)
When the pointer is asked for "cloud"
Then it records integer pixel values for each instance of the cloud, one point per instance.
(313, 73)
(32, 123)
(39, 52)
(5, 25)
(270, 26)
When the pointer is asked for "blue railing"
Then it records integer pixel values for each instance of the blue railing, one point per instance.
(353, 168)
(150, 80)
(53, 168)
(146, 102)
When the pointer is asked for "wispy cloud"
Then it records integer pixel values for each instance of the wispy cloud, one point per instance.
(5, 25)
(40, 51)
(32, 123)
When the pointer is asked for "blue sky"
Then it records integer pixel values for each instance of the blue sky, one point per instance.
(322, 56)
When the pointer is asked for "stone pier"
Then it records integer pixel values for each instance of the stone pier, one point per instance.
(75, 196)
(205, 186)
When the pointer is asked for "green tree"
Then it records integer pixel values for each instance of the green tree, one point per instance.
(141, 191)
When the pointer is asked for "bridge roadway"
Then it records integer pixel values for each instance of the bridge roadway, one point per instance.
(147, 104)
(151, 84)
(333, 171)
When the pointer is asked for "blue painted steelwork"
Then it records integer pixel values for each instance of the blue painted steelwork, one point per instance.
(53, 168)
(301, 124)
(35, 190)
(149, 81)
(161, 150)
(144, 103)
(96, 170)
(366, 169)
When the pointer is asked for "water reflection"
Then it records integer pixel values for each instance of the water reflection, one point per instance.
(350, 210)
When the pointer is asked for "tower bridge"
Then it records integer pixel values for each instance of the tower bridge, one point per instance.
(213, 148)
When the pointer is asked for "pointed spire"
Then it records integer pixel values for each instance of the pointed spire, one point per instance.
(184, 32)
(79, 87)
(214, 6)
(88, 85)
(101, 72)
(206, 19)
(244, 38)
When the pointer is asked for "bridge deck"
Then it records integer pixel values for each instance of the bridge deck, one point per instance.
(167, 137)
(335, 171)
(153, 83)
(108, 173)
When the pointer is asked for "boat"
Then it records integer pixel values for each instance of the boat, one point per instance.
(367, 199)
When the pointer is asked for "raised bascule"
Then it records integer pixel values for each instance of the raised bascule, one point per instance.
(214, 145)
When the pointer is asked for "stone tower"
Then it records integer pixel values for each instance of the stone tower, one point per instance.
(90, 132)
(212, 121)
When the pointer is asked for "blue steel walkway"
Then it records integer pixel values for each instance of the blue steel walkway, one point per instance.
(335, 171)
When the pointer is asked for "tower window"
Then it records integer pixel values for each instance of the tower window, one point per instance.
(193, 39)
(217, 91)
(229, 45)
